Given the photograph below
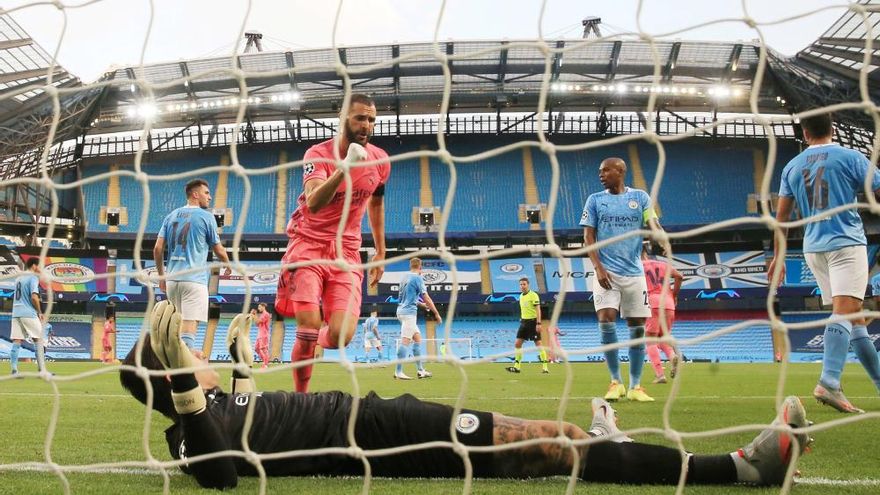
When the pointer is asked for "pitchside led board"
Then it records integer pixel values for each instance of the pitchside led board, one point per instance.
(263, 278)
(75, 274)
(131, 283)
(438, 277)
(71, 338)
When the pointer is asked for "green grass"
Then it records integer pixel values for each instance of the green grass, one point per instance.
(97, 423)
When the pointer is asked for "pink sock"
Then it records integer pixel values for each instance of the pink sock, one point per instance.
(303, 349)
(654, 356)
(264, 355)
(667, 349)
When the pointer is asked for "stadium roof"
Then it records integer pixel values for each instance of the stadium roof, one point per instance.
(409, 79)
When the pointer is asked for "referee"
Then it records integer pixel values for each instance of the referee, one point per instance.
(529, 326)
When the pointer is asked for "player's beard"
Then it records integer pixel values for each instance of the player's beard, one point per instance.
(352, 136)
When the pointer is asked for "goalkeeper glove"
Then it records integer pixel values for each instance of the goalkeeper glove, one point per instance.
(238, 340)
(165, 337)
(240, 351)
(174, 354)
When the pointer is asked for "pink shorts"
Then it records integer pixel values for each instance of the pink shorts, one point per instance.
(325, 285)
(653, 328)
(262, 343)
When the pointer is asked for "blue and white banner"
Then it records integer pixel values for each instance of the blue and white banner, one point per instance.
(506, 273)
(70, 338)
(727, 270)
(573, 273)
(263, 276)
(436, 274)
(797, 273)
(808, 345)
(8, 272)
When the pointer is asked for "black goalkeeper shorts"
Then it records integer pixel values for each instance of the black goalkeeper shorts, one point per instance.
(528, 330)
(406, 420)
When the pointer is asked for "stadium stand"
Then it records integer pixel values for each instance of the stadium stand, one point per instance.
(489, 191)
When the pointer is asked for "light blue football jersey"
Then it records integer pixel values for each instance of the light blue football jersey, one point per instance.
(411, 287)
(615, 214)
(368, 326)
(824, 177)
(25, 285)
(189, 232)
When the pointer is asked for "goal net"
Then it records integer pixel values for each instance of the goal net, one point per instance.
(553, 91)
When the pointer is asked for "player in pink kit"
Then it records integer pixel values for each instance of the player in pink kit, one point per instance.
(262, 345)
(658, 274)
(309, 291)
(106, 346)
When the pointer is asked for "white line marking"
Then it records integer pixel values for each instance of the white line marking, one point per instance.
(833, 482)
(817, 481)
(571, 397)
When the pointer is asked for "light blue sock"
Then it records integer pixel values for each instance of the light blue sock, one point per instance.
(402, 352)
(13, 356)
(834, 357)
(609, 336)
(417, 353)
(636, 357)
(188, 339)
(40, 349)
(864, 349)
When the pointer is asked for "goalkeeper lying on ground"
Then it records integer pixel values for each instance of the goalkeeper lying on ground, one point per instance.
(208, 420)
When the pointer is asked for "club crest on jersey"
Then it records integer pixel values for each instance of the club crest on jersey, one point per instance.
(308, 168)
(633, 204)
(467, 423)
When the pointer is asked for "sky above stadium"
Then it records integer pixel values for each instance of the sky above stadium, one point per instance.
(113, 32)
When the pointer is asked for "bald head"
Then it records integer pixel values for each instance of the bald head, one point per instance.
(615, 162)
(612, 172)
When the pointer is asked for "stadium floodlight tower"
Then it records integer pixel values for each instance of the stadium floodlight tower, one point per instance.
(591, 26)
(254, 40)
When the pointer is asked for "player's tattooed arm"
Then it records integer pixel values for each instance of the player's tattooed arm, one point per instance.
(542, 459)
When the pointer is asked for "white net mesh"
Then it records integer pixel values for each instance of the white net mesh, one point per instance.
(149, 182)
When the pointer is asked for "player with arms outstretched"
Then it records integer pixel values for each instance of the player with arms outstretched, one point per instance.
(208, 420)
(307, 292)
(529, 327)
(822, 177)
(657, 275)
(189, 232)
(619, 284)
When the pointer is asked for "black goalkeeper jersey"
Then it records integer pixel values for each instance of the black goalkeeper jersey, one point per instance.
(290, 421)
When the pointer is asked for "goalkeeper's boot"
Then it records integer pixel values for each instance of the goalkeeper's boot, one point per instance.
(616, 391)
(639, 394)
(772, 450)
(424, 374)
(835, 399)
(605, 422)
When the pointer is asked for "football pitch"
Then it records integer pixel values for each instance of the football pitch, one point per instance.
(99, 423)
